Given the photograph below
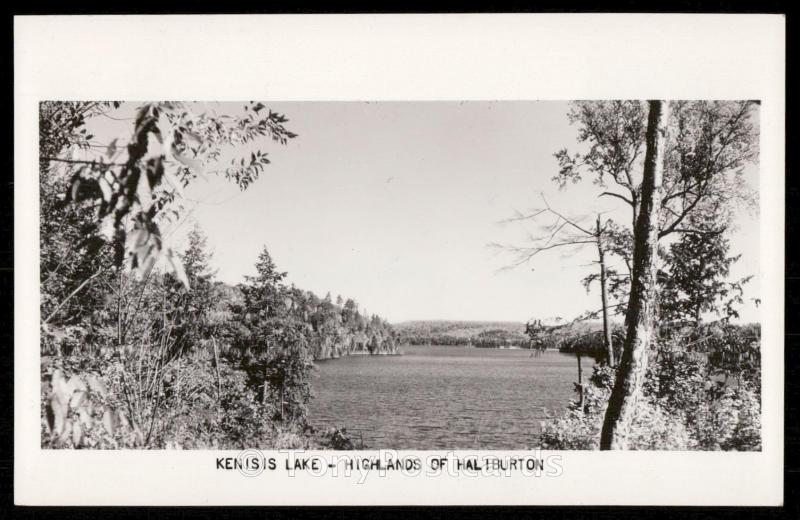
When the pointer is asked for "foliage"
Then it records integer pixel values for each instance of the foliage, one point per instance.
(615, 130)
(694, 279)
(689, 400)
(732, 422)
(135, 187)
(582, 335)
(337, 439)
(477, 333)
(170, 379)
(142, 358)
(68, 255)
(79, 411)
(702, 387)
(616, 241)
(708, 145)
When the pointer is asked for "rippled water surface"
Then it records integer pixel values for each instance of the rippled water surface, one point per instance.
(444, 397)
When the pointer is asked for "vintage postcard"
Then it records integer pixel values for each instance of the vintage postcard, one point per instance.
(418, 259)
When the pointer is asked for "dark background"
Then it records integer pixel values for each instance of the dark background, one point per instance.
(791, 508)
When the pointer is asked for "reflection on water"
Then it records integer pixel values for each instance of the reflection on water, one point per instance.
(444, 397)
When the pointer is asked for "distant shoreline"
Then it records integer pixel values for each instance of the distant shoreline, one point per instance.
(359, 353)
(467, 345)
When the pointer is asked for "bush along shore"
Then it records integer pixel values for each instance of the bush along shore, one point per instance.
(702, 392)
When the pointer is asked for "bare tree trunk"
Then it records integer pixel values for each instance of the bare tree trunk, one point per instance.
(266, 376)
(607, 343)
(216, 365)
(641, 306)
(283, 386)
(265, 386)
(580, 382)
(119, 306)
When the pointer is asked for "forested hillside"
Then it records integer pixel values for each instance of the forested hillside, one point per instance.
(475, 333)
(584, 336)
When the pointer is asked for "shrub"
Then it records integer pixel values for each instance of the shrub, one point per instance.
(79, 410)
(337, 439)
(655, 428)
(574, 431)
(732, 422)
(688, 402)
(579, 428)
(92, 402)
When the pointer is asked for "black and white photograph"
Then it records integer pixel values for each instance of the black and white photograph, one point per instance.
(399, 259)
(435, 275)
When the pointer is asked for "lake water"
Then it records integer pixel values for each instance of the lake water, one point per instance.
(436, 397)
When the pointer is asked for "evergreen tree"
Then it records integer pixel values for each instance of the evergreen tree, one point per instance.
(264, 293)
(695, 279)
(275, 346)
(191, 307)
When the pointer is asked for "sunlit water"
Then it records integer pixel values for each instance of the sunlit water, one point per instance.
(444, 397)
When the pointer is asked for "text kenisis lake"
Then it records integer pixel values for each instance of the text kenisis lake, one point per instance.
(315, 464)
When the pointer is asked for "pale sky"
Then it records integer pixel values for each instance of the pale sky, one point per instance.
(394, 204)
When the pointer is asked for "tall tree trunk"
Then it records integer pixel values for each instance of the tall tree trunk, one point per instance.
(283, 388)
(119, 306)
(580, 382)
(265, 385)
(607, 343)
(216, 366)
(641, 305)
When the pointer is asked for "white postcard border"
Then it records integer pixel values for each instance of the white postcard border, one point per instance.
(398, 57)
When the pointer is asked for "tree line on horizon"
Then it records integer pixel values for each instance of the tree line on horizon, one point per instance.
(487, 334)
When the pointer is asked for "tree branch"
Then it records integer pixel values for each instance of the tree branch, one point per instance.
(73, 293)
(75, 161)
(617, 195)
(700, 231)
(571, 223)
